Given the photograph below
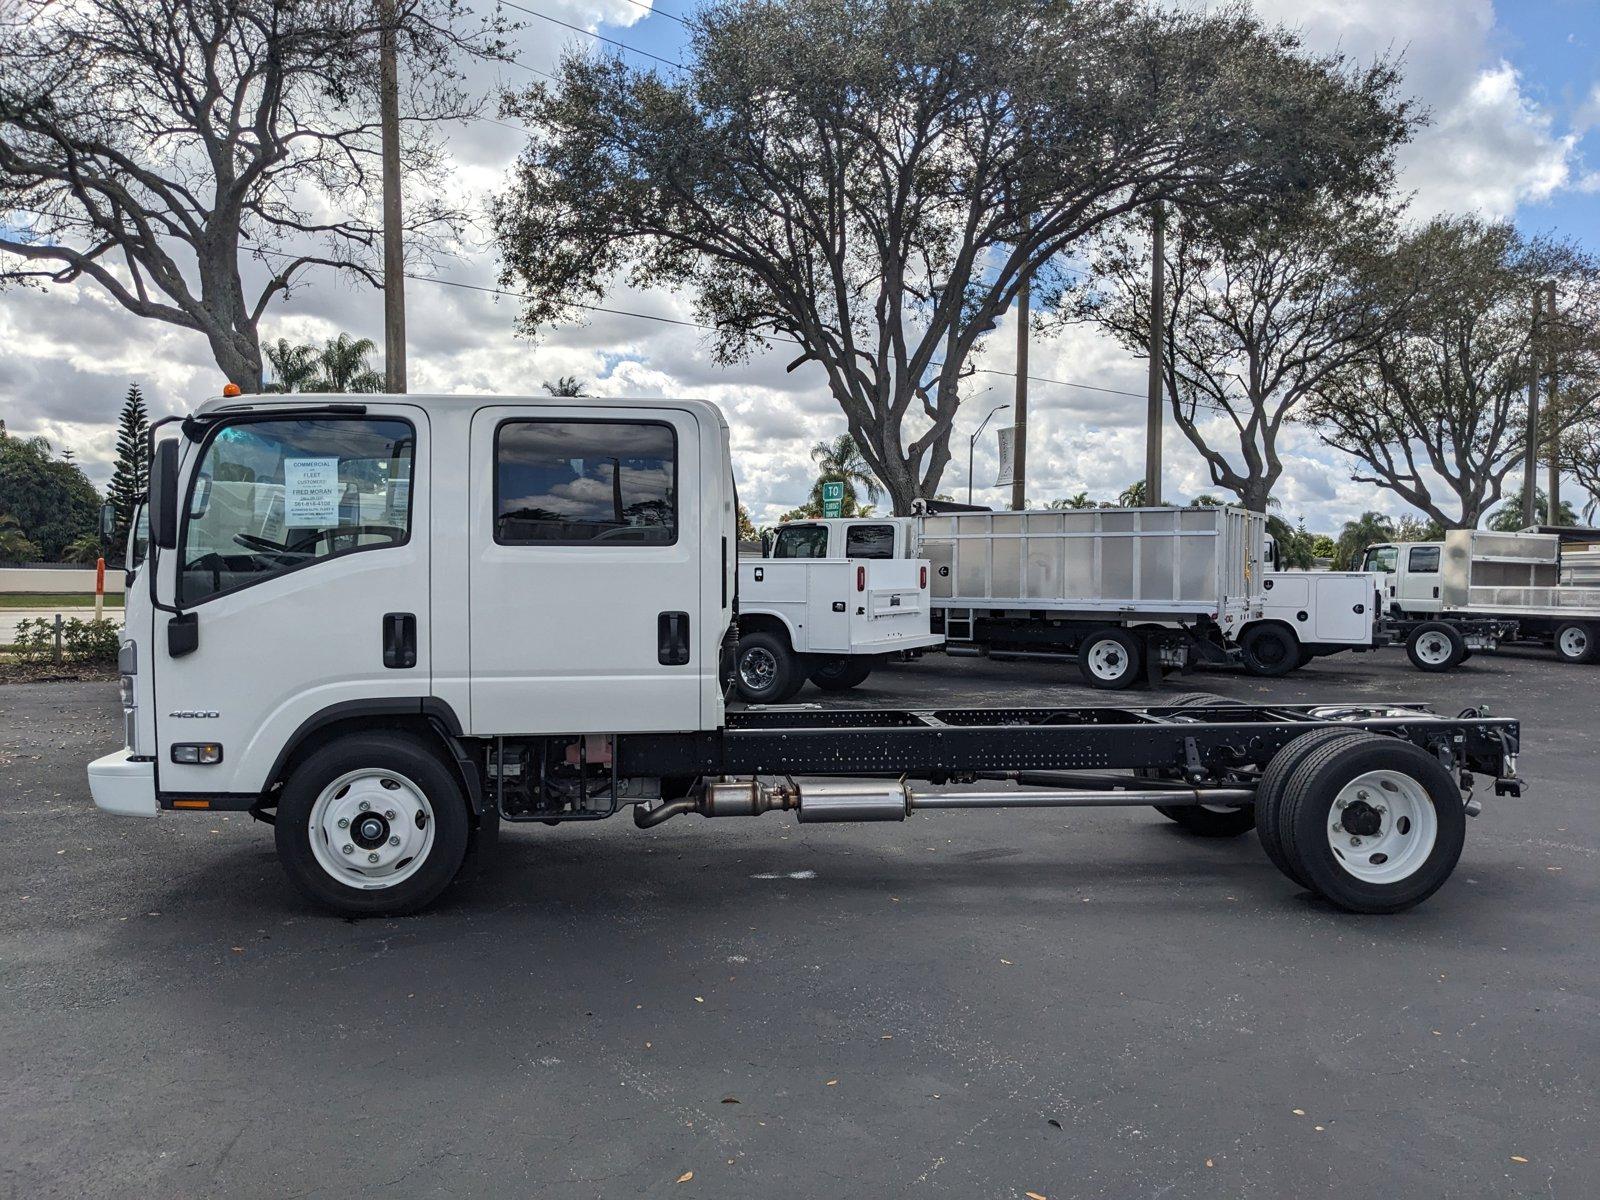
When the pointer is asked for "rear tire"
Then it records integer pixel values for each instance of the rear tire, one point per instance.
(1375, 824)
(766, 669)
(416, 807)
(1435, 646)
(1110, 658)
(1577, 642)
(1269, 797)
(1270, 650)
(841, 674)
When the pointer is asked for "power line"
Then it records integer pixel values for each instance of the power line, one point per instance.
(591, 33)
(657, 10)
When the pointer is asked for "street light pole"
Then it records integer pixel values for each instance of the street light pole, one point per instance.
(972, 443)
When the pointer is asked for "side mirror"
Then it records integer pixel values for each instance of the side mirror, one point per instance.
(164, 495)
(108, 521)
(766, 543)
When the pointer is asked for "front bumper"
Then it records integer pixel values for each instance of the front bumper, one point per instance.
(124, 785)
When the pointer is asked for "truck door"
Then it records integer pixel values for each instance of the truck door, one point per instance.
(1419, 579)
(302, 561)
(585, 570)
(1383, 561)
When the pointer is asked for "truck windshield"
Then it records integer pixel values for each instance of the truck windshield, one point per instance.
(271, 496)
(1381, 558)
(801, 541)
(138, 536)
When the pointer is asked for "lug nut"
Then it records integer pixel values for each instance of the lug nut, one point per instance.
(372, 858)
(1355, 841)
(388, 814)
(349, 849)
(394, 841)
(344, 822)
(363, 806)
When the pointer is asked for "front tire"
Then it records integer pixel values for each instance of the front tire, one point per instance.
(841, 674)
(1435, 646)
(1110, 658)
(372, 825)
(1577, 642)
(767, 670)
(1270, 650)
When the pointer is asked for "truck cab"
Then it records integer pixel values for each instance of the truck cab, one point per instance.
(1408, 575)
(829, 601)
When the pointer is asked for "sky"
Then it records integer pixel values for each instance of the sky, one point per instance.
(1514, 92)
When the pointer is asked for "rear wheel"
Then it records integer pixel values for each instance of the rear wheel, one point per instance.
(767, 671)
(372, 825)
(1375, 824)
(1110, 658)
(841, 674)
(1269, 796)
(1270, 650)
(1577, 642)
(1207, 820)
(1434, 646)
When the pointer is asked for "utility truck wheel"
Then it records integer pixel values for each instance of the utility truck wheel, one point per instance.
(1374, 824)
(1207, 820)
(1435, 646)
(1269, 797)
(841, 674)
(372, 825)
(768, 672)
(1577, 642)
(1270, 650)
(1110, 658)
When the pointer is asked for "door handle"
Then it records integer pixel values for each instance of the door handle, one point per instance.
(672, 639)
(399, 640)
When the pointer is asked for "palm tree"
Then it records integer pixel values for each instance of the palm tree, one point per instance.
(14, 544)
(1357, 535)
(840, 460)
(294, 368)
(566, 385)
(1132, 496)
(85, 548)
(344, 366)
(1076, 500)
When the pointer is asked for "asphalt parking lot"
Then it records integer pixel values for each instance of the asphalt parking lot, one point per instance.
(973, 1004)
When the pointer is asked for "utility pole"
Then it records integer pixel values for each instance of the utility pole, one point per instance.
(394, 260)
(1019, 434)
(1153, 402)
(1553, 447)
(1530, 451)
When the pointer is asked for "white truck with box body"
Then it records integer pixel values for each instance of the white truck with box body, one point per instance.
(1478, 588)
(385, 625)
(828, 603)
(1310, 614)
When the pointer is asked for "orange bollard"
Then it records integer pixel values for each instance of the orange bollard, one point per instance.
(99, 588)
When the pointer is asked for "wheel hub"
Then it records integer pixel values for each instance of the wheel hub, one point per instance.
(370, 831)
(371, 828)
(1361, 818)
(757, 668)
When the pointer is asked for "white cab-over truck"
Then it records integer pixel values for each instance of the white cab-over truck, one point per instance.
(1132, 593)
(387, 624)
(1476, 589)
(830, 602)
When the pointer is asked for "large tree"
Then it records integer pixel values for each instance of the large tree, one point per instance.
(1437, 413)
(194, 159)
(874, 180)
(52, 501)
(1260, 307)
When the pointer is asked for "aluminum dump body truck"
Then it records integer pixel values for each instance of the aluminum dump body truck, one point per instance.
(1132, 592)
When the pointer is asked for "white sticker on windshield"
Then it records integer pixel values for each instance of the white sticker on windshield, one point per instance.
(310, 493)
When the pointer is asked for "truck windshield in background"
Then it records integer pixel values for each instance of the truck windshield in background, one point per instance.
(272, 496)
(1381, 559)
(801, 541)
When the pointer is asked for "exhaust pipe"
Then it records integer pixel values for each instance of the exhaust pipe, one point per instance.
(830, 801)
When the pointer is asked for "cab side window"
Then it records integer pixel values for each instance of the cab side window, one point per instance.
(1381, 559)
(869, 541)
(1423, 560)
(801, 541)
(577, 483)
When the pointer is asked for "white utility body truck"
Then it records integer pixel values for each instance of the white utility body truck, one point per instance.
(384, 625)
(1131, 592)
(1476, 589)
(829, 602)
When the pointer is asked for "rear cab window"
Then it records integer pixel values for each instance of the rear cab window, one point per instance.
(869, 541)
(583, 482)
(1423, 560)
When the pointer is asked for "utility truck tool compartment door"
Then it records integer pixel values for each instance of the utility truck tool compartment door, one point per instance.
(584, 583)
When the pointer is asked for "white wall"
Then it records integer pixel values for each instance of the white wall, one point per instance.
(57, 580)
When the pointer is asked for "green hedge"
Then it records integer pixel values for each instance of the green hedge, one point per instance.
(92, 642)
